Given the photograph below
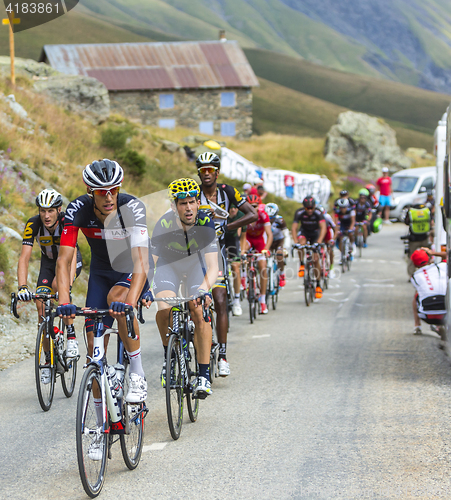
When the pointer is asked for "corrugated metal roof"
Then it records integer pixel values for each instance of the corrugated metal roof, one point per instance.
(162, 65)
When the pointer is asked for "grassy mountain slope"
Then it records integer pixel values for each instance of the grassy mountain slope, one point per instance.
(286, 111)
(416, 108)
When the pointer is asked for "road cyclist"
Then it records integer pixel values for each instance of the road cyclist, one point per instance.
(309, 227)
(46, 228)
(258, 237)
(278, 226)
(108, 218)
(345, 218)
(363, 213)
(224, 196)
(331, 234)
(185, 251)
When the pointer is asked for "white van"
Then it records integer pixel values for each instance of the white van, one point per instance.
(411, 187)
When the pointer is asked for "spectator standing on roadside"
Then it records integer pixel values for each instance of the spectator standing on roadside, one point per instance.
(246, 188)
(385, 189)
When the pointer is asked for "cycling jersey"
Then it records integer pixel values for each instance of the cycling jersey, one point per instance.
(329, 221)
(257, 228)
(124, 229)
(309, 223)
(225, 197)
(361, 211)
(278, 225)
(373, 201)
(47, 241)
(345, 219)
(430, 283)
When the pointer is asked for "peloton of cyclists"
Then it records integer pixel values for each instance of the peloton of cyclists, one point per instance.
(208, 168)
(258, 236)
(309, 226)
(106, 214)
(278, 225)
(46, 228)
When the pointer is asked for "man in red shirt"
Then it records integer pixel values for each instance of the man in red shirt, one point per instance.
(384, 184)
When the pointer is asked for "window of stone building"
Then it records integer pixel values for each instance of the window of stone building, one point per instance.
(166, 101)
(227, 99)
(228, 128)
(206, 128)
(166, 123)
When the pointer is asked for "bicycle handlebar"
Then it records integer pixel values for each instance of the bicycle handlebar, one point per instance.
(34, 296)
(314, 248)
(100, 313)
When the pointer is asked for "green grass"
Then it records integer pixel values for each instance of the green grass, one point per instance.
(394, 101)
(285, 111)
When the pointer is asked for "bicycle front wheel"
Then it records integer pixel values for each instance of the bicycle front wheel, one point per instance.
(174, 387)
(251, 298)
(45, 373)
(133, 416)
(92, 442)
(307, 285)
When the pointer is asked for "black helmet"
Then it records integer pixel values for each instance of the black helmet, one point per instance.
(309, 202)
(103, 173)
(208, 158)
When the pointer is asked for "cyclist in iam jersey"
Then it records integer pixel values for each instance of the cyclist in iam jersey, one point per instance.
(105, 215)
(208, 166)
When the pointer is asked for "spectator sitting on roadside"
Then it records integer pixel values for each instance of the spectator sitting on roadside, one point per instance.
(429, 281)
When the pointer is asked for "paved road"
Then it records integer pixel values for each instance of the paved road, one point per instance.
(338, 400)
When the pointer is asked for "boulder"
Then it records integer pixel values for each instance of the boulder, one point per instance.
(83, 95)
(361, 145)
(171, 146)
(26, 67)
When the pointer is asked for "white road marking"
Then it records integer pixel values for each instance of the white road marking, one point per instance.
(378, 285)
(339, 301)
(338, 293)
(357, 286)
(346, 309)
(260, 336)
(378, 281)
(154, 447)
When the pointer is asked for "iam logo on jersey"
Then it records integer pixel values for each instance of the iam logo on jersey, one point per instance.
(25, 14)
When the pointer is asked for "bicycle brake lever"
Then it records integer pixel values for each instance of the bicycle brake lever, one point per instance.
(13, 307)
(139, 314)
(129, 316)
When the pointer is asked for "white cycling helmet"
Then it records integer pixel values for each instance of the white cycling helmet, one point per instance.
(103, 173)
(272, 209)
(49, 198)
(343, 203)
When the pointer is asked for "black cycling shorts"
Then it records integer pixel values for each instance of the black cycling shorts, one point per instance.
(47, 273)
(169, 277)
(311, 237)
(233, 248)
(277, 243)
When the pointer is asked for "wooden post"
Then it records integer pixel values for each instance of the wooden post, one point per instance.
(10, 21)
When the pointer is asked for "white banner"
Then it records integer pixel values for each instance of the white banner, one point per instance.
(283, 183)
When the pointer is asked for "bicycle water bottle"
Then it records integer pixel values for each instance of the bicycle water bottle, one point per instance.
(59, 340)
(120, 373)
(115, 385)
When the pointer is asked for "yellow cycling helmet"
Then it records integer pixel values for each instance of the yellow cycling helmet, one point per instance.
(183, 188)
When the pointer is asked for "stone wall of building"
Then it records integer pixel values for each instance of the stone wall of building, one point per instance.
(190, 108)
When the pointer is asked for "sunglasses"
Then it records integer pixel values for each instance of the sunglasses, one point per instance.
(207, 170)
(104, 192)
(185, 194)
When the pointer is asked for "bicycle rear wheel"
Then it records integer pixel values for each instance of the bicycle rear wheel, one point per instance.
(132, 443)
(359, 243)
(69, 377)
(174, 387)
(307, 284)
(45, 390)
(89, 431)
(193, 404)
(251, 298)
(275, 295)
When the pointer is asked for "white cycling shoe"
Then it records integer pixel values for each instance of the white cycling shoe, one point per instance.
(71, 348)
(236, 309)
(202, 388)
(223, 368)
(137, 391)
(95, 450)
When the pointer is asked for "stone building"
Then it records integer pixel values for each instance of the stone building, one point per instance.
(204, 86)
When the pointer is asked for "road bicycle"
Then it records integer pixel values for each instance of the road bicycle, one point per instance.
(359, 237)
(325, 265)
(252, 283)
(346, 256)
(273, 280)
(181, 363)
(51, 339)
(103, 416)
(309, 270)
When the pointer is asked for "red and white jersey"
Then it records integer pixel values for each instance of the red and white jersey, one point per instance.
(430, 281)
(257, 228)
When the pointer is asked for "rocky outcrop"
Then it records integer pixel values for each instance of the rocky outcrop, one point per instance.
(78, 94)
(26, 67)
(361, 145)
